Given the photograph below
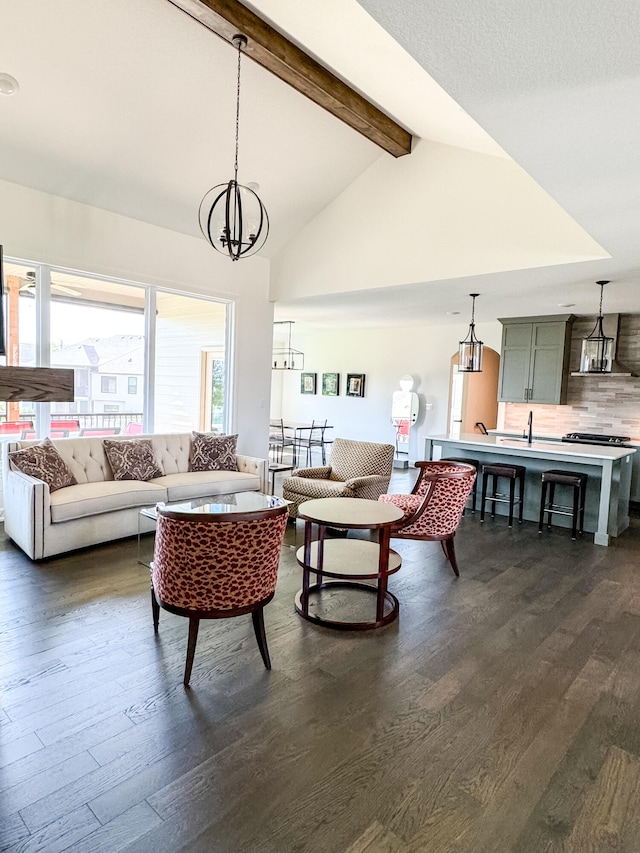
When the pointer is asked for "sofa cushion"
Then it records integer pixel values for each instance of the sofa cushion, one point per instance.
(213, 452)
(132, 459)
(45, 463)
(110, 495)
(200, 484)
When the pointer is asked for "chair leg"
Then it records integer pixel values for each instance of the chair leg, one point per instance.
(512, 496)
(483, 496)
(155, 610)
(257, 617)
(576, 509)
(543, 499)
(521, 495)
(552, 497)
(583, 498)
(450, 551)
(194, 624)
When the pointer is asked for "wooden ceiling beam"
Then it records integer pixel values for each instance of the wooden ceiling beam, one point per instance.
(281, 57)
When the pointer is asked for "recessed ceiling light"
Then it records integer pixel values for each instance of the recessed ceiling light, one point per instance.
(451, 313)
(566, 304)
(8, 84)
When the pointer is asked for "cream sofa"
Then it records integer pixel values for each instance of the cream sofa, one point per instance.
(99, 508)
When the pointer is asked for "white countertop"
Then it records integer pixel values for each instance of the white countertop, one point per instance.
(518, 434)
(513, 446)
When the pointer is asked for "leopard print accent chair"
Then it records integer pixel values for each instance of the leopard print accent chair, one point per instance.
(207, 568)
(434, 508)
(357, 469)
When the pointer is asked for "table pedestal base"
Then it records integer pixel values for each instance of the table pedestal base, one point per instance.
(389, 604)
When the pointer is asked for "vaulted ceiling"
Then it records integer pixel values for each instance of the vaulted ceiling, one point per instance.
(130, 107)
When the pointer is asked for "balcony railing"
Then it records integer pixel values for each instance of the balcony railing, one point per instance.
(98, 420)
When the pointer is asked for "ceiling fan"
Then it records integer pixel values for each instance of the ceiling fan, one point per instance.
(28, 285)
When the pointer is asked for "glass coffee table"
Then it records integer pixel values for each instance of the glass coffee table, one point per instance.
(227, 505)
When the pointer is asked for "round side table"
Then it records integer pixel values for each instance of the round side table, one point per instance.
(347, 564)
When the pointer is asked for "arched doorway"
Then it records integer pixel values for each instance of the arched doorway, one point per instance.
(473, 397)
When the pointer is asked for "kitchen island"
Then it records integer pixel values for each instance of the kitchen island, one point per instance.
(608, 469)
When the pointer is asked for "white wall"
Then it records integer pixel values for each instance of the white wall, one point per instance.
(384, 355)
(438, 213)
(42, 228)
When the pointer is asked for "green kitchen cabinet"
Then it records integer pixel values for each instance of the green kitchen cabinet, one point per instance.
(534, 359)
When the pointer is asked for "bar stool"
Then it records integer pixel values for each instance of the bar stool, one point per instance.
(512, 473)
(476, 465)
(578, 482)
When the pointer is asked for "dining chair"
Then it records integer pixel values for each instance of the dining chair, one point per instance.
(433, 510)
(70, 426)
(30, 434)
(279, 438)
(310, 438)
(133, 428)
(15, 427)
(206, 567)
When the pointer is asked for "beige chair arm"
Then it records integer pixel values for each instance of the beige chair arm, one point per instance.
(313, 473)
(369, 480)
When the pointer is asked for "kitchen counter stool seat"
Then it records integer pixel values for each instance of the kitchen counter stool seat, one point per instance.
(476, 465)
(577, 480)
(514, 473)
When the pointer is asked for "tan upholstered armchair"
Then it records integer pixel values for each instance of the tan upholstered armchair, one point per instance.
(357, 469)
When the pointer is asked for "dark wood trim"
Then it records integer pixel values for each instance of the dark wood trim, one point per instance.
(36, 384)
(281, 57)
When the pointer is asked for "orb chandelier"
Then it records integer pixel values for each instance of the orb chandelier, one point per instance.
(232, 217)
(470, 351)
(597, 348)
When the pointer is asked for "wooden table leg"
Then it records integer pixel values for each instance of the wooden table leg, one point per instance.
(383, 569)
(305, 569)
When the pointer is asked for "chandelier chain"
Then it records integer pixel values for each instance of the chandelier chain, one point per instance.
(235, 167)
(232, 217)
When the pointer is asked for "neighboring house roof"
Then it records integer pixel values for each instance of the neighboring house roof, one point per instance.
(131, 362)
(113, 354)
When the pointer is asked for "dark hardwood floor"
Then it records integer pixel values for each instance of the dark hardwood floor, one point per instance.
(500, 713)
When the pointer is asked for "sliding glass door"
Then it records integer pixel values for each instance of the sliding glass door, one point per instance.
(98, 330)
(144, 359)
(191, 388)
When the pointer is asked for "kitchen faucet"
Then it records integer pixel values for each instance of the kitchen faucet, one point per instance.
(530, 428)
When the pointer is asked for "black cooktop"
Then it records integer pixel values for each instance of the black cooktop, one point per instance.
(594, 438)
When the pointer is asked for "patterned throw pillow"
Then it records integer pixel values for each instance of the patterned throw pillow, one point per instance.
(132, 459)
(213, 452)
(44, 462)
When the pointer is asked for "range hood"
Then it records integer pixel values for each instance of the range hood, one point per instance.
(610, 324)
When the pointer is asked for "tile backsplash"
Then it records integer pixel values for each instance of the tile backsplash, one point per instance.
(602, 404)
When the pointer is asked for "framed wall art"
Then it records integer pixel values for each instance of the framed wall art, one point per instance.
(355, 385)
(330, 384)
(308, 383)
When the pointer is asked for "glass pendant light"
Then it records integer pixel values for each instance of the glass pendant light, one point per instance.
(285, 357)
(597, 348)
(470, 352)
